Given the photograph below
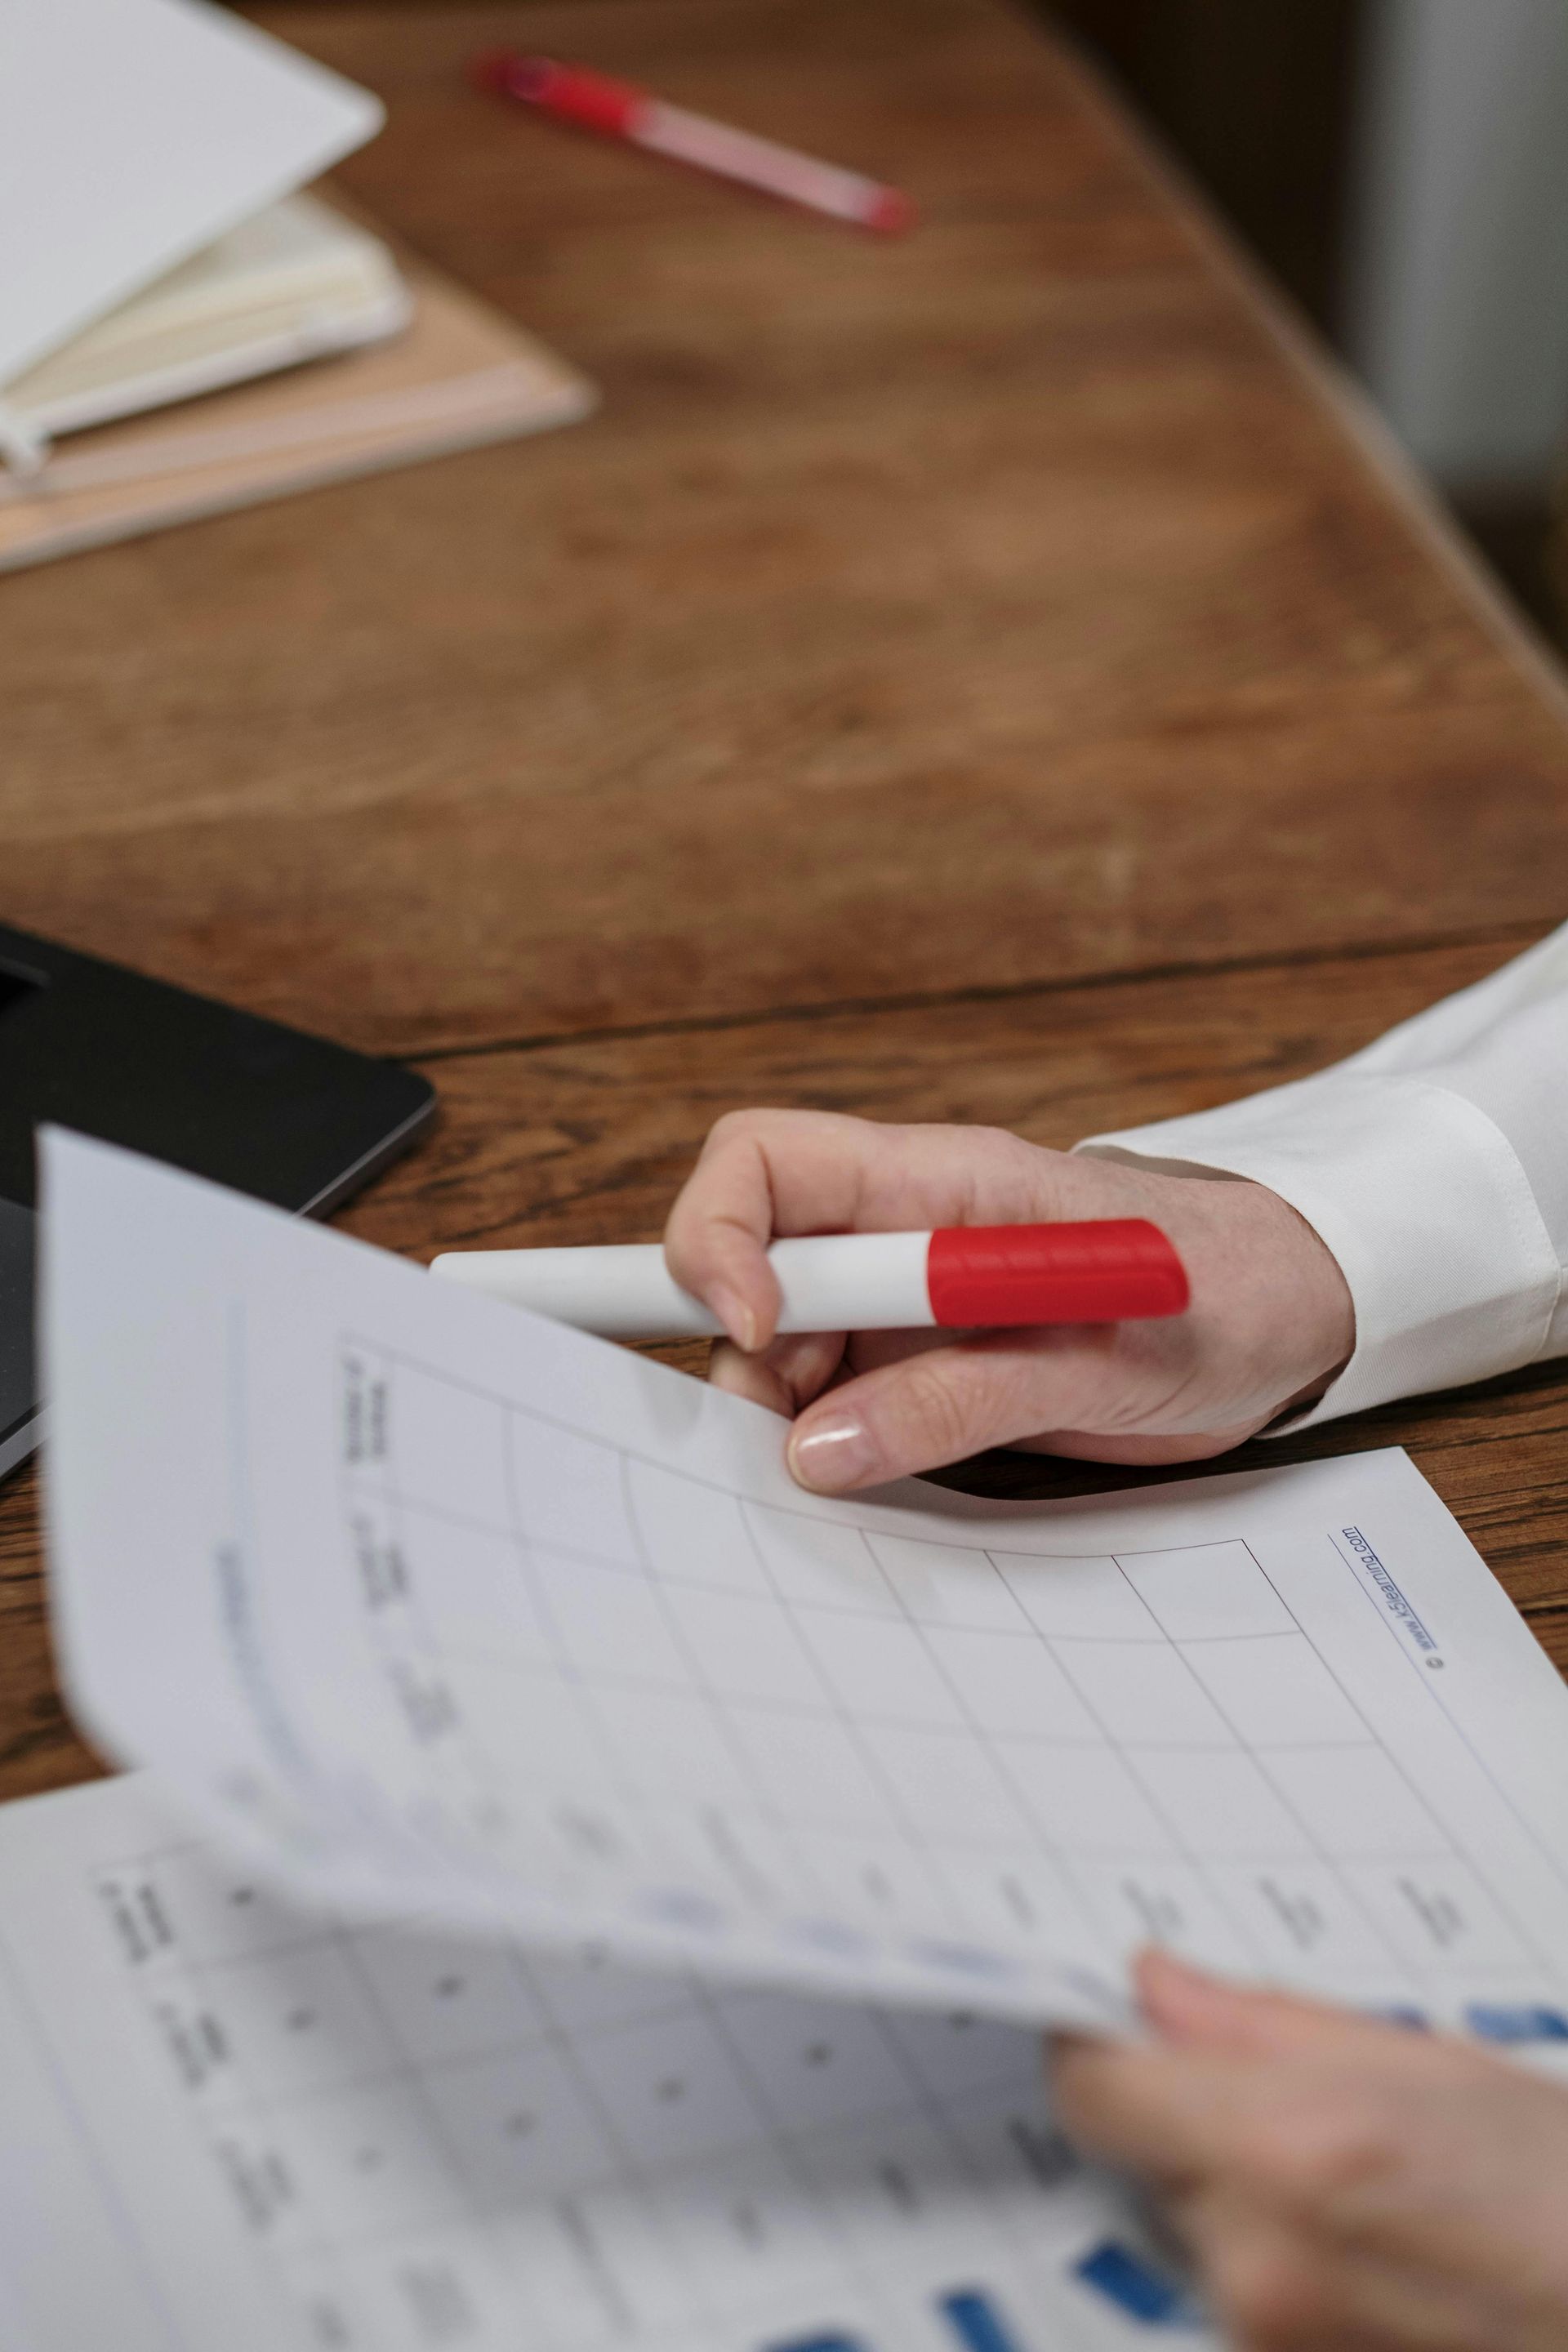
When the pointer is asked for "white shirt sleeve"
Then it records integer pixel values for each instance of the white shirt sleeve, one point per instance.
(1434, 1166)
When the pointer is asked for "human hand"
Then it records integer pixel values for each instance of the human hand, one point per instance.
(1344, 2186)
(1270, 1322)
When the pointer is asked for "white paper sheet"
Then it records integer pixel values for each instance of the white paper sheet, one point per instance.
(481, 1662)
(427, 1604)
(227, 2122)
(133, 132)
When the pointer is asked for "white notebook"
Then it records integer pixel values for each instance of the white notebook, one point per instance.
(132, 134)
(585, 1893)
(297, 282)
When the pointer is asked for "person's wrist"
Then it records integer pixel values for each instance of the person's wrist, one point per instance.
(1318, 1302)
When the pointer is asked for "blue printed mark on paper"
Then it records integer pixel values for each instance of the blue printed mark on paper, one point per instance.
(820, 2344)
(1524, 2021)
(975, 2320)
(1136, 2286)
(1394, 1600)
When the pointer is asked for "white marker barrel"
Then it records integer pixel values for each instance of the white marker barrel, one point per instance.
(834, 1282)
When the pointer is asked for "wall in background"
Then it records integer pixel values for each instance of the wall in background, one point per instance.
(1456, 302)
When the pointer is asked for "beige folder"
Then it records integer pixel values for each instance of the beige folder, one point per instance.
(461, 374)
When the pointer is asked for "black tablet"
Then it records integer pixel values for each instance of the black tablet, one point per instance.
(88, 1044)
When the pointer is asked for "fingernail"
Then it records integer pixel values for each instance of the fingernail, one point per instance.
(735, 1316)
(832, 1453)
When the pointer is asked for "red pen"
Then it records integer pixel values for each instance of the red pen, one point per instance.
(963, 1277)
(619, 110)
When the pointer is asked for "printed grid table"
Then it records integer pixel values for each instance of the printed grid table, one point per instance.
(943, 1740)
(452, 2138)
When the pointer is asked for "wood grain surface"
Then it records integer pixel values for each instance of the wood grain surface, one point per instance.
(587, 1141)
(994, 604)
(978, 677)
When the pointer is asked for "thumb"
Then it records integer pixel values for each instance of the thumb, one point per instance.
(931, 1407)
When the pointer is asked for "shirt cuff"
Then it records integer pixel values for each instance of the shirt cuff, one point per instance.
(1422, 1199)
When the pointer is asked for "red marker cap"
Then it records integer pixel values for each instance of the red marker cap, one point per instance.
(1110, 1270)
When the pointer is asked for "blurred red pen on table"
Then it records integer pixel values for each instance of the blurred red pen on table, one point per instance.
(619, 110)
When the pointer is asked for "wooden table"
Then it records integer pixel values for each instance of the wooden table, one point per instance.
(990, 676)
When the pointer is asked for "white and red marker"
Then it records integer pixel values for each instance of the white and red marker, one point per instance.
(974, 1278)
(619, 110)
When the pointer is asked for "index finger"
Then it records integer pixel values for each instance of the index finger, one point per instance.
(1190, 2006)
(765, 1173)
(1333, 2137)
